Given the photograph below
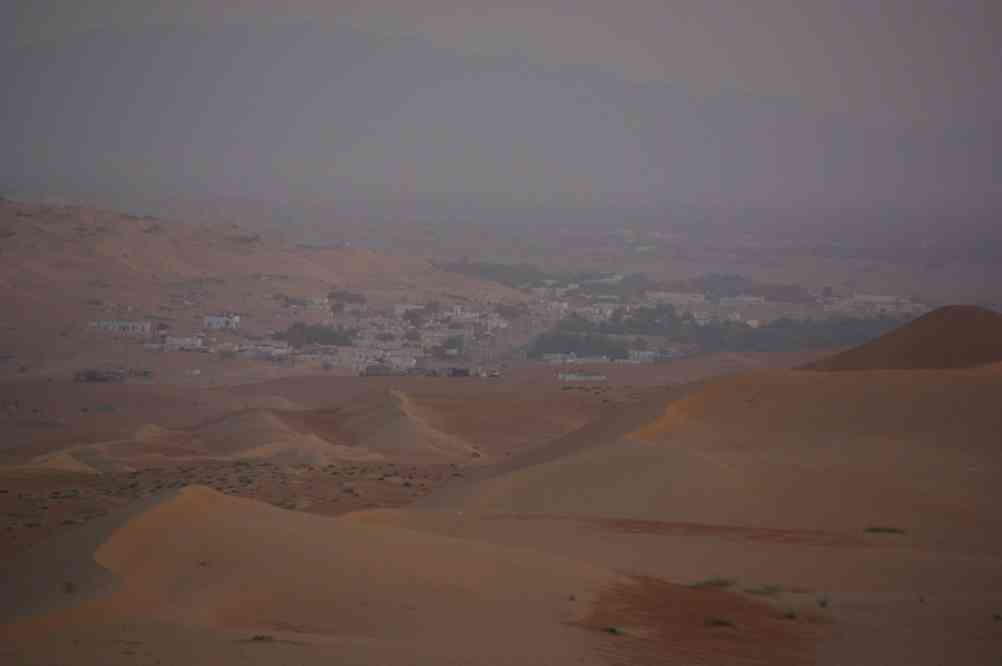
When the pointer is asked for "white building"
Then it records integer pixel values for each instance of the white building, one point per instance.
(124, 327)
(184, 343)
(679, 298)
(219, 322)
(580, 377)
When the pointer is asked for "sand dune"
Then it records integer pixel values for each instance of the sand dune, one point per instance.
(202, 572)
(389, 425)
(778, 449)
(779, 477)
(956, 336)
(205, 561)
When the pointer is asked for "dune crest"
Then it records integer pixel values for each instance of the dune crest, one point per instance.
(951, 337)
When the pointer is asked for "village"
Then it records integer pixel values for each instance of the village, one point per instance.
(343, 331)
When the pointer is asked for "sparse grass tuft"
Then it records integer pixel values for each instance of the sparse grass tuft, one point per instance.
(790, 614)
(883, 529)
(714, 622)
(263, 638)
(615, 631)
(765, 590)
(715, 582)
(824, 601)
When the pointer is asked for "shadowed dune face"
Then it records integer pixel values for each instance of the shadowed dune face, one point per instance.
(301, 421)
(202, 562)
(956, 336)
(205, 560)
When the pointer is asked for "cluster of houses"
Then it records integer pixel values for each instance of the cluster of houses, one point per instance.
(750, 309)
(424, 338)
(869, 305)
(396, 339)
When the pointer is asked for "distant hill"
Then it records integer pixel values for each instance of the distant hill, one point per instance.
(63, 266)
(951, 337)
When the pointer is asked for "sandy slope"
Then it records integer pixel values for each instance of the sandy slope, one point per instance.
(197, 575)
(773, 478)
(956, 336)
(778, 449)
(201, 562)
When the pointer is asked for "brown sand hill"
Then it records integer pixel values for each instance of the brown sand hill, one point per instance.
(205, 578)
(772, 483)
(387, 426)
(204, 566)
(777, 449)
(956, 336)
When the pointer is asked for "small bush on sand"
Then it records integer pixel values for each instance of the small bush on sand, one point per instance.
(883, 529)
(716, 622)
(715, 582)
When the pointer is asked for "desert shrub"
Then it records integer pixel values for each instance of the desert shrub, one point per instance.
(881, 529)
(715, 582)
(714, 622)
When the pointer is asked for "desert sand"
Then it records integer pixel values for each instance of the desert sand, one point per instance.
(766, 516)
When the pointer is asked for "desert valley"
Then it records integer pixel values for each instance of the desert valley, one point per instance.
(820, 506)
(438, 333)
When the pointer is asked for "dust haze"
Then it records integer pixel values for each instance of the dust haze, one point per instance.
(561, 332)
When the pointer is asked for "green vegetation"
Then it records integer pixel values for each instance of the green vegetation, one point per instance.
(415, 318)
(582, 345)
(879, 529)
(718, 336)
(347, 297)
(715, 582)
(722, 285)
(511, 311)
(300, 335)
(516, 276)
(615, 631)
(290, 301)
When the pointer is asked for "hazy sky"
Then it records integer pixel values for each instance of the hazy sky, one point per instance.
(772, 102)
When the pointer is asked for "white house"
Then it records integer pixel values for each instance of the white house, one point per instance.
(218, 322)
(183, 343)
(124, 327)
